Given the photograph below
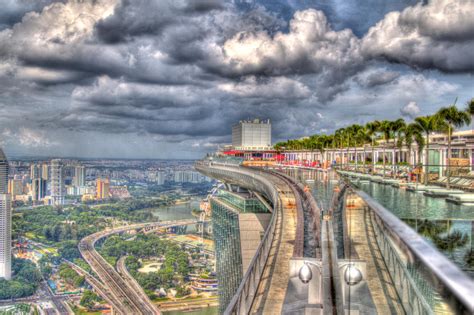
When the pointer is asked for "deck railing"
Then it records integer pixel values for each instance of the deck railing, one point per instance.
(426, 281)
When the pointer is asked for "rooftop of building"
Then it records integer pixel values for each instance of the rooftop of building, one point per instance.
(255, 121)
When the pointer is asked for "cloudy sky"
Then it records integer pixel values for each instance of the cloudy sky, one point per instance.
(168, 78)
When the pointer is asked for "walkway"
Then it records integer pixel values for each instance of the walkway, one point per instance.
(364, 244)
(276, 275)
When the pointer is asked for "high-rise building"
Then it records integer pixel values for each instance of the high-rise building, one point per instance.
(35, 171)
(5, 220)
(188, 177)
(157, 177)
(15, 187)
(252, 135)
(45, 171)
(102, 188)
(160, 178)
(79, 176)
(238, 222)
(38, 189)
(57, 182)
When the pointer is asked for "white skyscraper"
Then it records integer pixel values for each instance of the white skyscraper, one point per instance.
(57, 183)
(252, 135)
(5, 220)
(79, 176)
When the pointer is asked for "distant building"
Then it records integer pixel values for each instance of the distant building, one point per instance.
(102, 188)
(45, 171)
(5, 220)
(15, 187)
(238, 221)
(252, 135)
(157, 177)
(79, 179)
(119, 192)
(38, 189)
(57, 183)
(188, 177)
(35, 171)
(160, 178)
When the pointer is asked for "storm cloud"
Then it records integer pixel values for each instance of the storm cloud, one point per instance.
(166, 74)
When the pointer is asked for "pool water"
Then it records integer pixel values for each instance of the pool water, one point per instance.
(447, 226)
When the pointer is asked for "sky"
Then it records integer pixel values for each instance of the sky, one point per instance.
(167, 79)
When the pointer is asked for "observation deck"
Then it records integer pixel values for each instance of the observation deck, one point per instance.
(361, 258)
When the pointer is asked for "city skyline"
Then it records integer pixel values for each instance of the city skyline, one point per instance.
(89, 79)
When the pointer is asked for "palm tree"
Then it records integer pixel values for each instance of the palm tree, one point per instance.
(420, 143)
(453, 118)
(351, 136)
(362, 137)
(339, 135)
(428, 124)
(398, 127)
(386, 129)
(372, 129)
(411, 131)
(470, 107)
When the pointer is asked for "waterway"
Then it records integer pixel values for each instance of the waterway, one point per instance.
(448, 227)
(178, 212)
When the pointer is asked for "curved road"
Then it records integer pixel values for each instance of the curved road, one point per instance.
(121, 293)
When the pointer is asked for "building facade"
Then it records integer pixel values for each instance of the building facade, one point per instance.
(57, 183)
(79, 179)
(102, 188)
(45, 171)
(252, 135)
(238, 222)
(5, 220)
(35, 171)
(38, 189)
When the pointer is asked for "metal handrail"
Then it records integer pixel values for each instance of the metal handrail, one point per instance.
(453, 285)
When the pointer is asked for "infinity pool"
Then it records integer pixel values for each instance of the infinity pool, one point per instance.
(447, 226)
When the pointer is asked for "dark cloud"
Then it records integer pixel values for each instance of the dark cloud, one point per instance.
(144, 17)
(377, 78)
(182, 72)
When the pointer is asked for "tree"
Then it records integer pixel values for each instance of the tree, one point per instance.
(69, 250)
(411, 132)
(372, 129)
(89, 299)
(428, 124)
(386, 129)
(470, 107)
(339, 138)
(453, 118)
(398, 128)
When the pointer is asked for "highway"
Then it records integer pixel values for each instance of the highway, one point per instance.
(122, 269)
(121, 292)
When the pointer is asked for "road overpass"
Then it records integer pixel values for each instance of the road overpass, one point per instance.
(120, 291)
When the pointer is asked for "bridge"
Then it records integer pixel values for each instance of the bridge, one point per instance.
(119, 289)
(353, 256)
